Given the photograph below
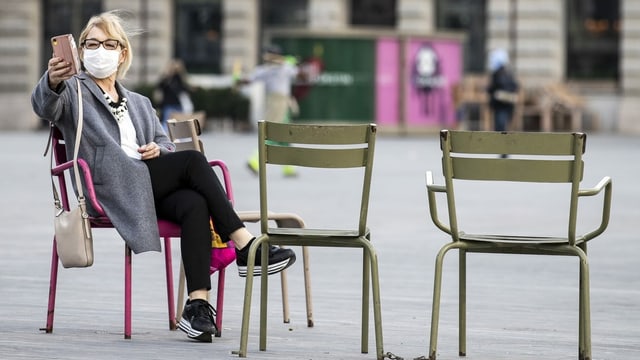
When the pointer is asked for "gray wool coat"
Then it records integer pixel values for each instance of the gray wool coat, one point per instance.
(122, 184)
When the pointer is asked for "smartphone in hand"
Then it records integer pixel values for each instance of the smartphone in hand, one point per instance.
(64, 46)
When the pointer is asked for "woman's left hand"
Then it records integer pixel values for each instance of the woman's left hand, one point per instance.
(149, 151)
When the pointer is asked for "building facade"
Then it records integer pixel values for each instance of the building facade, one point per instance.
(591, 45)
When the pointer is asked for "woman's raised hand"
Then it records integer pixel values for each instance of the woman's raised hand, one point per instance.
(59, 70)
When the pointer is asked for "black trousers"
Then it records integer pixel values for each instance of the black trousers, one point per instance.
(187, 191)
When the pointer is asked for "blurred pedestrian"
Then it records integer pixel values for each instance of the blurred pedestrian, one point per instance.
(173, 92)
(277, 72)
(503, 89)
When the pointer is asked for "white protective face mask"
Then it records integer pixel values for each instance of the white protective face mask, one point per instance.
(101, 63)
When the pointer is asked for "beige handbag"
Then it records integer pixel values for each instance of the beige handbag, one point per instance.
(74, 241)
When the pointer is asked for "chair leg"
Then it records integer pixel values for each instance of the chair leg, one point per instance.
(264, 292)
(307, 285)
(584, 324)
(366, 279)
(246, 312)
(462, 303)
(435, 306)
(580, 313)
(220, 301)
(53, 283)
(169, 275)
(181, 290)
(370, 265)
(127, 292)
(285, 297)
(377, 311)
(248, 290)
(296, 222)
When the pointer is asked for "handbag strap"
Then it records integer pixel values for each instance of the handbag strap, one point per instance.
(76, 148)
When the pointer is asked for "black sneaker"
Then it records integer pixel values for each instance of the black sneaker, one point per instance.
(198, 320)
(279, 259)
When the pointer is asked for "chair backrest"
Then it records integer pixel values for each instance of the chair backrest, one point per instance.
(185, 134)
(316, 146)
(200, 115)
(535, 157)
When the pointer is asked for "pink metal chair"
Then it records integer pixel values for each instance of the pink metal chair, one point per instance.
(167, 231)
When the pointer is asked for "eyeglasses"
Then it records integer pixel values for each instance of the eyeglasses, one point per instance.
(93, 44)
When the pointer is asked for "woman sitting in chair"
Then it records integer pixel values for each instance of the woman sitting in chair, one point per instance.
(138, 175)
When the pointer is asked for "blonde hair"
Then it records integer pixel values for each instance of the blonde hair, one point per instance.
(112, 24)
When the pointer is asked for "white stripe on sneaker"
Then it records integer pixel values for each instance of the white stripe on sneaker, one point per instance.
(185, 326)
(192, 333)
(271, 268)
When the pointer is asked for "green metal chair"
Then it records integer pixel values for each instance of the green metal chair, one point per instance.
(185, 134)
(551, 158)
(316, 146)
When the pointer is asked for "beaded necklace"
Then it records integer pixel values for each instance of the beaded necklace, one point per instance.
(117, 108)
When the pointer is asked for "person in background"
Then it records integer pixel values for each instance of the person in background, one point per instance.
(311, 69)
(138, 174)
(173, 92)
(277, 73)
(503, 89)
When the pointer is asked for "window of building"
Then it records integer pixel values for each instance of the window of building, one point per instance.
(198, 35)
(65, 17)
(373, 13)
(469, 17)
(593, 39)
(292, 13)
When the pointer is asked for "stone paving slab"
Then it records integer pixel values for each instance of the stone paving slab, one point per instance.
(518, 307)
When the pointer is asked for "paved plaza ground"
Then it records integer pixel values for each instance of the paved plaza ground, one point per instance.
(519, 307)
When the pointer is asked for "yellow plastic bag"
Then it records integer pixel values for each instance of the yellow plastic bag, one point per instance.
(216, 240)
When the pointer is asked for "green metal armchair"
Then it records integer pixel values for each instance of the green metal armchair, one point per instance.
(536, 158)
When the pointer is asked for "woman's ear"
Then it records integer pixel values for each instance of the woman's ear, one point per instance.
(122, 56)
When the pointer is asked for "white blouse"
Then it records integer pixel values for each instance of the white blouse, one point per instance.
(128, 140)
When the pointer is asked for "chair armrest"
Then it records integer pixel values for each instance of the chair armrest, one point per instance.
(226, 177)
(431, 186)
(60, 169)
(605, 184)
(88, 182)
(431, 196)
(282, 220)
